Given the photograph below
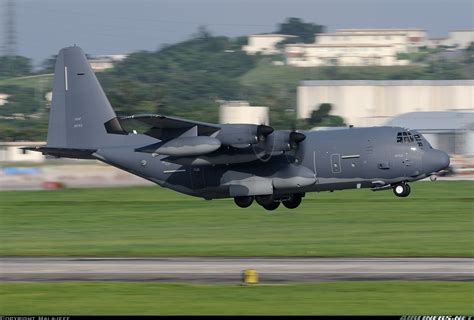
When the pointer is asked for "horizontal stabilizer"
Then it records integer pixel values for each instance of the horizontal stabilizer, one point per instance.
(64, 152)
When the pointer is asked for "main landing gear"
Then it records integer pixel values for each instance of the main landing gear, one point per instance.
(401, 190)
(269, 202)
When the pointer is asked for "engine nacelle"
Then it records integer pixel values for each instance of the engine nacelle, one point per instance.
(283, 140)
(242, 134)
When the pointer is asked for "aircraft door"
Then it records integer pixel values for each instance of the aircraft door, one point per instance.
(198, 177)
(336, 163)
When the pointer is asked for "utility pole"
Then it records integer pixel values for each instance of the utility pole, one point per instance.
(10, 46)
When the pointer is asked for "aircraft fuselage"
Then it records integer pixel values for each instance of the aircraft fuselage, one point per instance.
(348, 158)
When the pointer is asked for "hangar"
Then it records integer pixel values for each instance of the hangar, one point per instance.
(373, 102)
(450, 131)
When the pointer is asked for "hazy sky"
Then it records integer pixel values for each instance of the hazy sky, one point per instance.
(122, 26)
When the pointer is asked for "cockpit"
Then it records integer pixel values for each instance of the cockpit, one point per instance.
(410, 137)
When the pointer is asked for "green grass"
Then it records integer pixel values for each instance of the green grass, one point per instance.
(132, 298)
(290, 76)
(436, 220)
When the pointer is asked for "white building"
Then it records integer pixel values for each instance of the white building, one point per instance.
(356, 47)
(12, 152)
(316, 55)
(460, 38)
(242, 112)
(3, 98)
(415, 37)
(264, 43)
(104, 62)
(371, 103)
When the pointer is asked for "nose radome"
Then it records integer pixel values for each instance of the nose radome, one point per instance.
(444, 160)
(435, 160)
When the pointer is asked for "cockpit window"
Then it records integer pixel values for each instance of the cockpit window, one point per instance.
(418, 139)
(405, 137)
(408, 137)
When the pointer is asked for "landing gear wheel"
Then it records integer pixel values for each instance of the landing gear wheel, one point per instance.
(293, 202)
(402, 190)
(272, 206)
(243, 202)
(264, 200)
(268, 202)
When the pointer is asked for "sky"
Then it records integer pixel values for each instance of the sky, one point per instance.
(124, 26)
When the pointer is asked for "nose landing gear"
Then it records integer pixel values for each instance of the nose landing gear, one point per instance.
(402, 190)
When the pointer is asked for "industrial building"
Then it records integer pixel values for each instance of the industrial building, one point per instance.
(452, 132)
(242, 112)
(372, 103)
(13, 152)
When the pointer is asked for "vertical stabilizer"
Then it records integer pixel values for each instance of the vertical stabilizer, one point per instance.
(79, 108)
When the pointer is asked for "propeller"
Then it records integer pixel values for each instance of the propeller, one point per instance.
(295, 138)
(263, 131)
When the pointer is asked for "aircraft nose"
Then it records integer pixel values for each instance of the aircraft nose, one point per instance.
(435, 160)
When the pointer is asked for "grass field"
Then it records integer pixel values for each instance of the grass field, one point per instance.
(135, 298)
(436, 220)
(290, 76)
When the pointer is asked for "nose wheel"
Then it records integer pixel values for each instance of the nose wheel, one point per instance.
(402, 190)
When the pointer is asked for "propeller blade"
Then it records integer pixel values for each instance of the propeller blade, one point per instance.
(295, 138)
(263, 131)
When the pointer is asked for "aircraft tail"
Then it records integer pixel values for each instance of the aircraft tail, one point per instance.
(79, 109)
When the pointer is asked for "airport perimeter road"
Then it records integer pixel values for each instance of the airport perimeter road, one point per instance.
(226, 269)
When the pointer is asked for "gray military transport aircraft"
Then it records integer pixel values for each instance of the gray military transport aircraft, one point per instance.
(244, 161)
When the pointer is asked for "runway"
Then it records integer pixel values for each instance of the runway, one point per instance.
(227, 269)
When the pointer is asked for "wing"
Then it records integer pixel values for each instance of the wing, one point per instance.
(200, 143)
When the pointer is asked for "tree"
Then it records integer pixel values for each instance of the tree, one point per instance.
(470, 54)
(15, 66)
(47, 66)
(303, 30)
(318, 115)
(321, 117)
